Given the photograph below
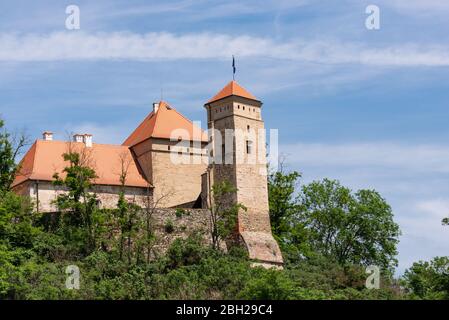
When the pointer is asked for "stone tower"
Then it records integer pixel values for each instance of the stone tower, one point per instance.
(238, 155)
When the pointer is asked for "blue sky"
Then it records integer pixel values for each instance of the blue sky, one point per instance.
(370, 108)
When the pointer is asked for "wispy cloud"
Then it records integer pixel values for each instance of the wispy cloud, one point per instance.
(113, 134)
(169, 46)
(439, 208)
(418, 6)
(429, 158)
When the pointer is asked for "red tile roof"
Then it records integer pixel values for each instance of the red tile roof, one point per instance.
(46, 157)
(232, 89)
(163, 124)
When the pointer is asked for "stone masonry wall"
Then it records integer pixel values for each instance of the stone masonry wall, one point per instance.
(247, 172)
(174, 171)
(184, 224)
(45, 193)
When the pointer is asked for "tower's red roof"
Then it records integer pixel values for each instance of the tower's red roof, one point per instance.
(232, 89)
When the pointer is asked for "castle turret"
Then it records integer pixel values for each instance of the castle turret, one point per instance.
(239, 156)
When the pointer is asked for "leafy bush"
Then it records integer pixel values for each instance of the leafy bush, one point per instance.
(169, 226)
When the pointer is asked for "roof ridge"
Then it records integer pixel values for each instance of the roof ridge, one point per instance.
(147, 118)
(202, 132)
(155, 121)
(34, 157)
(185, 118)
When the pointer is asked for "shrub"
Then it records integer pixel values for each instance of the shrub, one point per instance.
(180, 212)
(169, 226)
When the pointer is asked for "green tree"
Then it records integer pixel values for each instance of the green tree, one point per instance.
(283, 205)
(290, 233)
(268, 285)
(223, 213)
(9, 149)
(79, 205)
(16, 221)
(18, 236)
(130, 222)
(428, 280)
(349, 227)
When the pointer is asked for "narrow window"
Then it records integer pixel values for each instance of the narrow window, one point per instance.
(223, 153)
(249, 146)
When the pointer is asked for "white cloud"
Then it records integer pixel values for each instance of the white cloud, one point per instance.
(419, 6)
(438, 208)
(169, 46)
(430, 158)
(113, 134)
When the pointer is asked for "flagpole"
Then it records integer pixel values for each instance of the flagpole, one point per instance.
(233, 68)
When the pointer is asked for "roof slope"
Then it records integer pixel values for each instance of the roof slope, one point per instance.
(46, 157)
(165, 123)
(232, 89)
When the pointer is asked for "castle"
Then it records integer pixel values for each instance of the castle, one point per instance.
(171, 161)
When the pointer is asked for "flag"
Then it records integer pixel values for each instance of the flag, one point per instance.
(233, 67)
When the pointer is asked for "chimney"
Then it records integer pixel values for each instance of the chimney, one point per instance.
(47, 136)
(78, 137)
(88, 140)
(155, 107)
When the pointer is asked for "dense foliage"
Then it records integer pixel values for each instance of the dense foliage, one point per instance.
(327, 235)
(429, 280)
(10, 147)
(328, 219)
